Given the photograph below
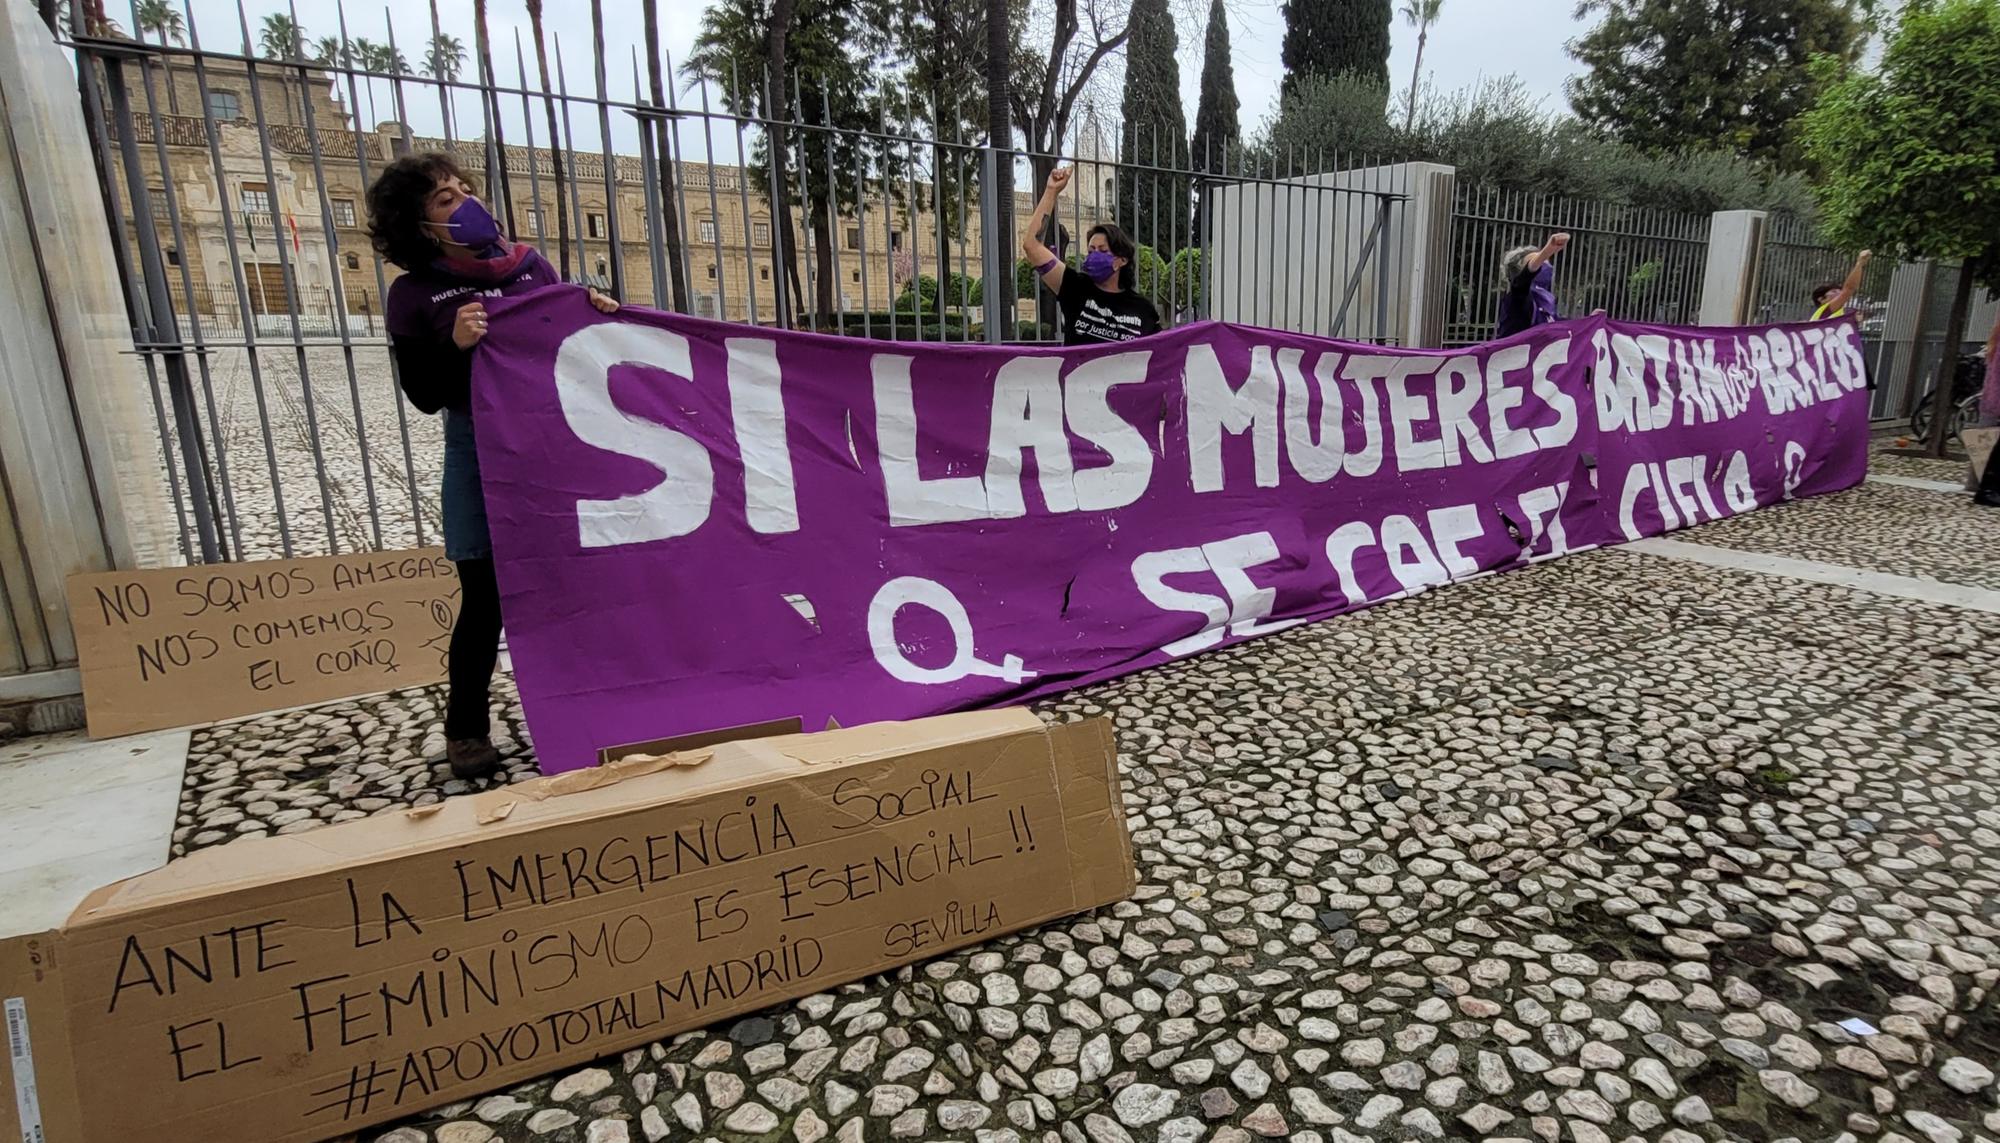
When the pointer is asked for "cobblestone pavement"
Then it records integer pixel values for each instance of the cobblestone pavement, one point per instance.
(1617, 847)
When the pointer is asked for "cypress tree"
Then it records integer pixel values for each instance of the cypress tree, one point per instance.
(1335, 38)
(1215, 122)
(1153, 207)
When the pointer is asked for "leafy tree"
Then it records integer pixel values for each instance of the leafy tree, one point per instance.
(1151, 205)
(1498, 135)
(835, 48)
(942, 45)
(1668, 74)
(1908, 152)
(1420, 14)
(1333, 38)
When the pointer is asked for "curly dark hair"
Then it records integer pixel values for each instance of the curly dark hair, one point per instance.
(1121, 247)
(1822, 292)
(396, 207)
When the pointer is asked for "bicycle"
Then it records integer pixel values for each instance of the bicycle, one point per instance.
(1966, 381)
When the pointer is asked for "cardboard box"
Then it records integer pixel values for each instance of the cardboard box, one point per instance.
(180, 646)
(301, 987)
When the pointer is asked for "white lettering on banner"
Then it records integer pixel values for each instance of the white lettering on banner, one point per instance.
(1411, 557)
(1214, 407)
(906, 591)
(757, 406)
(1502, 398)
(1737, 490)
(1459, 390)
(1552, 356)
(912, 498)
(1248, 605)
(1543, 508)
(1624, 401)
(1406, 410)
(1795, 467)
(1367, 371)
(1679, 487)
(680, 502)
(1315, 454)
(1028, 414)
(1087, 408)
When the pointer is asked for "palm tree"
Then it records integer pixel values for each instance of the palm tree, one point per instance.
(163, 20)
(496, 150)
(555, 139)
(282, 39)
(1421, 14)
(446, 57)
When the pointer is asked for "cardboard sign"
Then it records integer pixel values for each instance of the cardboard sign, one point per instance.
(179, 646)
(288, 989)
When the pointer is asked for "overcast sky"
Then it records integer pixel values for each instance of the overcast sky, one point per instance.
(1474, 39)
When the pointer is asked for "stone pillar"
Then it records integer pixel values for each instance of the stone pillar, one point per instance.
(79, 448)
(1735, 260)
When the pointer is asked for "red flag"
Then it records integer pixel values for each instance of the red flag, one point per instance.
(293, 220)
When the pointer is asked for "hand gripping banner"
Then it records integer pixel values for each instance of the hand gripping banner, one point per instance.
(700, 524)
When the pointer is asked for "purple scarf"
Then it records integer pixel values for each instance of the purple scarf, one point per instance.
(496, 264)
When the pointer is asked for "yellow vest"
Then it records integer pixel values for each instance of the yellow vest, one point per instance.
(1821, 313)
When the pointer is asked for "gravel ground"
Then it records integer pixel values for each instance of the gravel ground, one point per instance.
(1604, 849)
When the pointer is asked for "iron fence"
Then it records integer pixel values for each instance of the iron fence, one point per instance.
(236, 187)
(1635, 263)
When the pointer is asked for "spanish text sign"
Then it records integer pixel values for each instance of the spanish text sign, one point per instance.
(703, 524)
(180, 646)
(299, 988)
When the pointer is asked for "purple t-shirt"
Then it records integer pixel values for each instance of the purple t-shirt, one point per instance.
(1529, 301)
(420, 311)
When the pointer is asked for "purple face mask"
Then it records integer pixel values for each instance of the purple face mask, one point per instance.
(472, 225)
(1098, 265)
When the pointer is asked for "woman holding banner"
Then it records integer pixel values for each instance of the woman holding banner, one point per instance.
(425, 217)
(1099, 305)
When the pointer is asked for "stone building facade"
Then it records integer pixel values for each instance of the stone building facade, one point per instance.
(300, 208)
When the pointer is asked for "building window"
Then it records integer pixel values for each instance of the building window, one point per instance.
(764, 272)
(854, 238)
(705, 229)
(895, 240)
(534, 221)
(854, 274)
(256, 202)
(158, 197)
(760, 233)
(173, 256)
(711, 273)
(595, 226)
(343, 212)
(354, 261)
(600, 267)
(225, 105)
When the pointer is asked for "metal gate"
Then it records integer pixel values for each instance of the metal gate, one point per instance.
(236, 178)
(1635, 263)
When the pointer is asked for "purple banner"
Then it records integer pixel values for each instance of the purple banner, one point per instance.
(700, 524)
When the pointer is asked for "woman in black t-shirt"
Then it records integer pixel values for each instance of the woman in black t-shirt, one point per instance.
(1098, 305)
